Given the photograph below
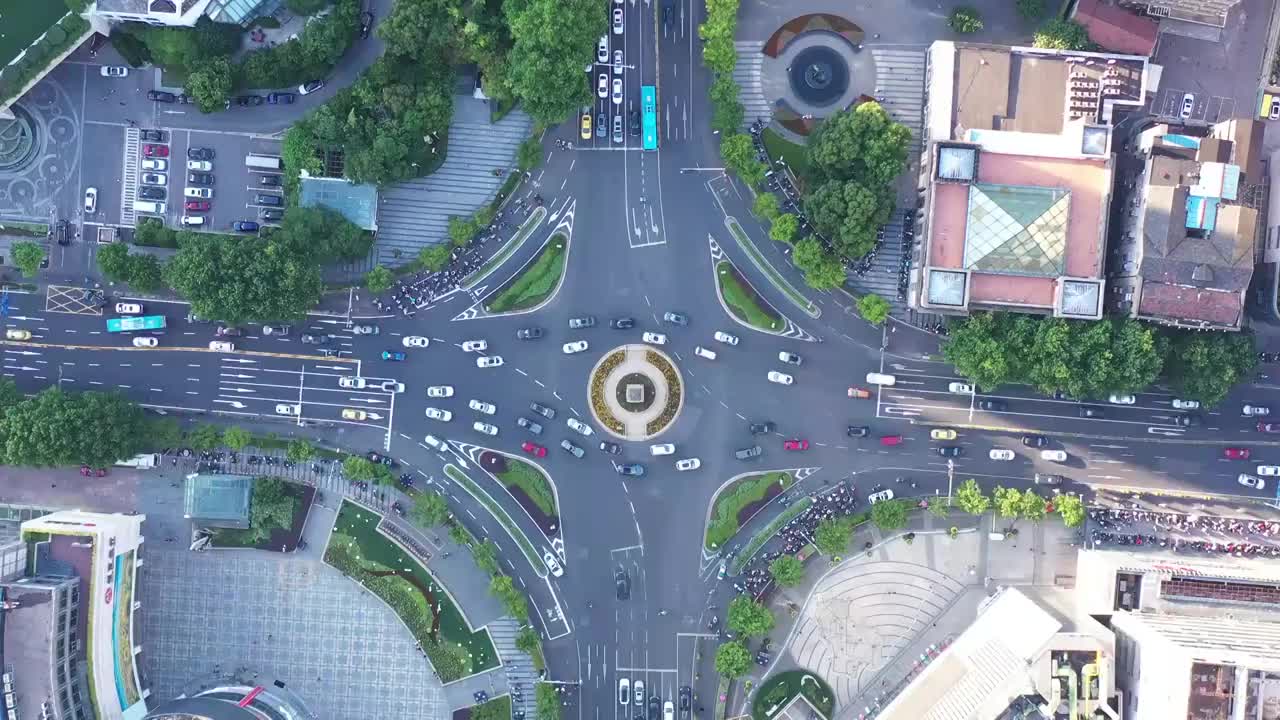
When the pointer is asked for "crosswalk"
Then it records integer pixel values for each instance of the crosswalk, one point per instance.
(750, 90)
(129, 182)
(900, 84)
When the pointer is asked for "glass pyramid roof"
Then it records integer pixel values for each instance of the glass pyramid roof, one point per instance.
(1017, 229)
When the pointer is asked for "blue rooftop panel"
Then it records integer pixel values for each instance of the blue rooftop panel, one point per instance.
(1183, 140)
(357, 203)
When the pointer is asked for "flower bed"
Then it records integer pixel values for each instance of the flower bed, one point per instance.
(738, 502)
(535, 282)
(598, 390)
(673, 392)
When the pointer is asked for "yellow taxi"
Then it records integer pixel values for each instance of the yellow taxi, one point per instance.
(942, 434)
(17, 334)
(353, 414)
(586, 126)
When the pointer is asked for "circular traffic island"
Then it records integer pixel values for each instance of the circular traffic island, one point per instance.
(636, 392)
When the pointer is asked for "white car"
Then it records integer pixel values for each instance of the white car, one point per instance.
(156, 178)
(203, 193)
(553, 565)
(1255, 410)
(726, 338)
(602, 49)
(480, 406)
(222, 346)
(1185, 404)
(1251, 481)
(688, 464)
(960, 388)
(617, 91)
(128, 308)
(1188, 104)
(488, 362)
(351, 382)
(438, 414)
(655, 338)
(662, 449)
(201, 165)
(415, 341)
(116, 71)
(1054, 455)
(157, 164)
(639, 693)
(1269, 470)
(571, 348)
(90, 200)
(624, 691)
(617, 62)
(392, 386)
(475, 345)
(668, 711)
(434, 442)
(789, 358)
(287, 409)
(780, 378)
(1125, 399)
(704, 353)
(881, 496)
(1000, 454)
(602, 85)
(578, 426)
(617, 21)
(145, 342)
(484, 427)
(440, 391)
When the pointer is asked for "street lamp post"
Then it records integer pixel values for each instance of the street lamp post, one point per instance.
(951, 476)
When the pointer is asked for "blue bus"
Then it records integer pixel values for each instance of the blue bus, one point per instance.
(649, 116)
(129, 324)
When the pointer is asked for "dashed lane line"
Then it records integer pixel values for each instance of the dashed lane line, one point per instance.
(250, 353)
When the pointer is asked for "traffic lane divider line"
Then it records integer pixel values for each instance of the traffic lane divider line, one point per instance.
(254, 353)
(1089, 436)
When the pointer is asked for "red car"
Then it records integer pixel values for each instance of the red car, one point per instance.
(1236, 453)
(200, 205)
(1267, 427)
(795, 445)
(890, 439)
(533, 449)
(155, 150)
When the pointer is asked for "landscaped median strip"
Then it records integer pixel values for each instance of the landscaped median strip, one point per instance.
(749, 491)
(763, 265)
(485, 499)
(759, 539)
(743, 302)
(536, 281)
(526, 229)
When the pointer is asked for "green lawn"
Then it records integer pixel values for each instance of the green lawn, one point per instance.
(536, 281)
(358, 550)
(534, 484)
(793, 154)
(23, 22)
(763, 265)
(732, 500)
(509, 249)
(780, 688)
(526, 547)
(745, 303)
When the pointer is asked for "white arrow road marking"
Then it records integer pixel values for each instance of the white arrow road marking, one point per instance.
(233, 403)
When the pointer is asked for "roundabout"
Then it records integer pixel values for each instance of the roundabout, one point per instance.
(636, 392)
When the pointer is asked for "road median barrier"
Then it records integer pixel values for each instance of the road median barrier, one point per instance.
(775, 277)
(526, 229)
(503, 518)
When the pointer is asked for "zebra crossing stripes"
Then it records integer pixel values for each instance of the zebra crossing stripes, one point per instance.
(129, 183)
(746, 73)
(900, 81)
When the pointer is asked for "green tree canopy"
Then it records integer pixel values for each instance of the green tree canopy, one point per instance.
(1031, 506)
(864, 145)
(299, 451)
(27, 257)
(546, 702)
(784, 228)
(434, 257)
(502, 588)
(889, 514)
(529, 154)
(243, 279)
(1205, 366)
(59, 428)
(210, 84)
(429, 508)
(1008, 501)
(1071, 508)
(970, 499)
(113, 261)
(461, 230)
(787, 570)
(554, 40)
(323, 234)
(270, 508)
(748, 617)
(765, 206)
(965, 20)
(379, 279)
(145, 273)
(873, 308)
(1060, 34)
(205, 436)
(733, 659)
(486, 556)
(727, 112)
(822, 270)
(832, 535)
(236, 437)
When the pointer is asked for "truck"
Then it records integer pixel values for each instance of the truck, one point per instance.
(144, 461)
(263, 162)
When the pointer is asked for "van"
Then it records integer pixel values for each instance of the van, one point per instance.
(874, 378)
(141, 462)
(704, 353)
(148, 207)
(192, 220)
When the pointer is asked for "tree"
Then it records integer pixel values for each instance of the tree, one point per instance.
(271, 507)
(863, 144)
(379, 279)
(161, 432)
(784, 228)
(988, 348)
(501, 587)
(238, 280)
(299, 451)
(965, 20)
(732, 659)
(1030, 9)
(306, 7)
(1031, 506)
(529, 154)
(546, 702)
(359, 468)
(205, 436)
(554, 40)
(150, 232)
(727, 115)
(27, 257)
(236, 438)
(1071, 508)
(787, 570)
(748, 617)
(849, 213)
(889, 514)
(527, 642)
(323, 234)
(1205, 366)
(486, 556)
(430, 509)
(822, 270)
(210, 84)
(1060, 34)
(873, 308)
(1008, 501)
(832, 535)
(737, 152)
(113, 261)
(720, 56)
(145, 273)
(59, 428)
(765, 206)
(461, 230)
(434, 257)
(970, 499)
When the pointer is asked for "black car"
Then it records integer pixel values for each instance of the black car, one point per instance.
(151, 135)
(635, 123)
(602, 125)
(747, 453)
(762, 428)
(623, 583)
(366, 23)
(632, 469)
(267, 214)
(377, 458)
(280, 98)
(993, 405)
(612, 448)
(199, 153)
(224, 331)
(309, 339)
(1089, 411)
(185, 99)
(199, 178)
(1188, 420)
(950, 451)
(857, 431)
(1049, 479)
(269, 181)
(543, 410)
(150, 192)
(248, 100)
(655, 707)
(624, 323)
(272, 200)
(161, 96)
(530, 333)
(244, 226)
(686, 697)
(1035, 441)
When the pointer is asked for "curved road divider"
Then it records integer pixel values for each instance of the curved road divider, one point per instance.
(749, 490)
(763, 265)
(741, 301)
(485, 499)
(534, 284)
(508, 250)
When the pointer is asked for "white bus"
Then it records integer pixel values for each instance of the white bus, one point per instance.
(141, 462)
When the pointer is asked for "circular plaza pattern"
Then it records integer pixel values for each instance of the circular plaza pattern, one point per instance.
(636, 392)
(819, 75)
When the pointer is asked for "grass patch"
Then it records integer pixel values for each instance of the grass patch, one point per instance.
(231, 537)
(498, 708)
(530, 553)
(759, 539)
(512, 245)
(778, 690)
(358, 550)
(534, 484)
(793, 154)
(742, 299)
(763, 265)
(24, 229)
(728, 506)
(536, 281)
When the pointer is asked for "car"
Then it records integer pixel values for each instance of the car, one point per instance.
(1088, 411)
(881, 496)
(578, 426)
(244, 226)
(1187, 420)
(200, 165)
(114, 71)
(586, 126)
(573, 449)
(155, 150)
(602, 49)
(789, 358)
(686, 698)
(1044, 479)
(154, 179)
(185, 99)
(193, 220)
(635, 123)
(1054, 455)
(397, 356)
(543, 410)
(951, 451)
(366, 23)
(151, 135)
(197, 205)
(198, 192)
(617, 64)
(617, 21)
(17, 334)
(440, 391)
(1266, 427)
(155, 164)
(280, 98)
(618, 135)
(90, 200)
(602, 125)
(726, 338)
(268, 214)
(942, 434)
(270, 200)
(146, 341)
(654, 338)
(354, 414)
(611, 448)
(529, 425)
(1188, 104)
(129, 308)
(617, 97)
(484, 427)
(993, 405)
(150, 192)
(622, 581)
(417, 341)
(1235, 453)
(704, 352)
(309, 339)
(1251, 481)
(602, 85)
(858, 392)
(248, 100)
(1256, 410)
(761, 428)
(490, 361)
(288, 409)
(481, 406)
(529, 333)
(662, 449)
(1269, 470)
(630, 469)
(747, 453)
(1122, 399)
(795, 445)
(533, 449)
(199, 178)
(639, 692)
(474, 345)
(1003, 454)
(1275, 109)
(276, 330)
(308, 88)
(668, 711)
(365, 330)
(780, 378)
(392, 386)
(622, 323)
(571, 348)
(581, 323)
(960, 388)
(676, 318)
(269, 180)
(624, 685)
(352, 382)
(222, 346)
(1179, 404)
(161, 96)
(200, 153)
(688, 464)
(857, 431)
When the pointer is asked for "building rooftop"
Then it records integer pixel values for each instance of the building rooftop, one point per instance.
(1117, 29)
(1204, 12)
(26, 632)
(357, 203)
(218, 500)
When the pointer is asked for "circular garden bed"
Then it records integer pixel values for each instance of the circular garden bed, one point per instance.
(674, 397)
(635, 392)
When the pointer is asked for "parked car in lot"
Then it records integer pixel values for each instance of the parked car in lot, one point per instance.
(573, 348)
(200, 153)
(654, 338)
(612, 448)
(199, 179)
(198, 192)
(269, 200)
(484, 427)
(530, 425)
(151, 135)
(269, 180)
(662, 449)
(197, 205)
(482, 407)
(308, 88)
(193, 220)
(244, 226)
(114, 71)
(280, 98)
(150, 192)
(161, 96)
(155, 151)
(622, 323)
(440, 391)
